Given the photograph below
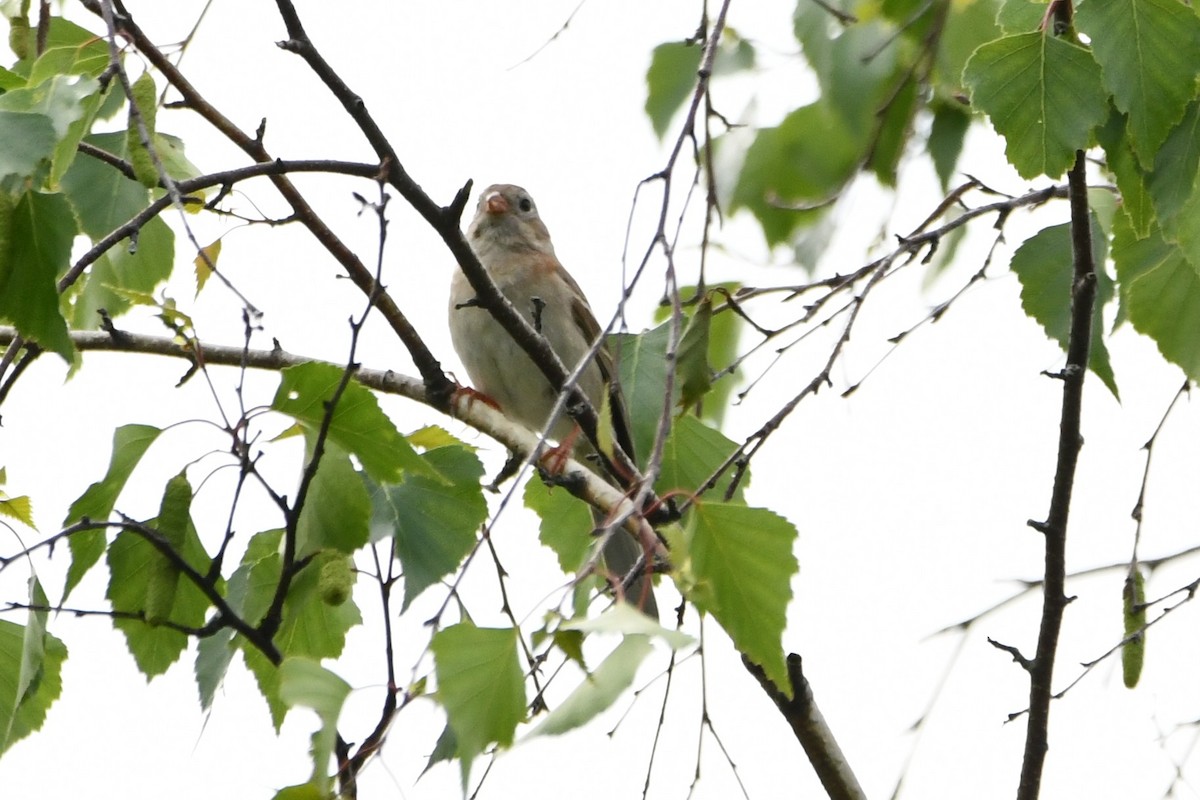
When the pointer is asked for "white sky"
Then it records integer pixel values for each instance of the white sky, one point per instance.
(911, 496)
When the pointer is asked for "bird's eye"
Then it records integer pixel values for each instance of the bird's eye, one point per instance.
(525, 204)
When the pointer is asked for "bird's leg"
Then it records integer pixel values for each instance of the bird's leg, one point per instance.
(555, 459)
(469, 395)
(472, 395)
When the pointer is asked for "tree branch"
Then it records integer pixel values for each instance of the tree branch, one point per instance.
(814, 735)
(438, 385)
(1054, 599)
(577, 478)
(446, 223)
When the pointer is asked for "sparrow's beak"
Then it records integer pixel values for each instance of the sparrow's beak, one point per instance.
(495, 204)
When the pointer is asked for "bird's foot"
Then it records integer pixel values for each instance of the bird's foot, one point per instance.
(554, 460)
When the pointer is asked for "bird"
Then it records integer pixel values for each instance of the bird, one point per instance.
(512, 243)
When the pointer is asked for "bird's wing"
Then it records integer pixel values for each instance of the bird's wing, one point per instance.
(586, 322)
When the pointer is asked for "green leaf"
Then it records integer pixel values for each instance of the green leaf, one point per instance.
(566, 522)
(304, 791)
(171, 153)
(1121, 162)
(443, 750)
(30, 677)
(1147, 53)
(10, 80)
(60, 99)
(741, 561)
(600, 690)
(103, 198)
(1043, 96)
(1103, 204)
(900, 11)
(626, 620)
(19, 508)
(249, 595)
(1160, 293)
(1043, 264)
(433, 523)
(253, 584)
(480, 684)
(213, 656)
(734, 54)
(695, 374)
(671, 77)
(17, 686)
(642, 361)
(968, 25)
(304, 682)
(336, 509)
(28, 140)
(570, 643)
(804, 160)
(88, 52)
(359, 426)
(894, 125)
(134, 565)
(431, 437)
(174, 516)
(1176, 168)
(1021, 16)
(670, 80)
(692, 454)
(1187, 230)
(946, 136)
(205, 262)
(130, 443)
(1133, 652)
(128, 267)
(39, 248)
(88, 55)
(724, 333)
(310, 627)
(68, 145)
(856, 67)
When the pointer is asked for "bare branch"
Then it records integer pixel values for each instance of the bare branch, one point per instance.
(801, 712)
(1070, 440)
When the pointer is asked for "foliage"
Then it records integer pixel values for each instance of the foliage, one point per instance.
(368, 509)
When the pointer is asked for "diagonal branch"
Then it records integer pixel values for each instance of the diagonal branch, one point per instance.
(814, 735)
(438, 385)
(446, 223)
(577, 478)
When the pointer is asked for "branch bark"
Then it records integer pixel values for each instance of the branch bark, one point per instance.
(577, 478)
(1054, 529)
(801, 712)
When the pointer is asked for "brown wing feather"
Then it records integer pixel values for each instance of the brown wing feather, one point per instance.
(586, 321)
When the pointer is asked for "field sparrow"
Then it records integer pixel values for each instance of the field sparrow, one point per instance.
(513, 245)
